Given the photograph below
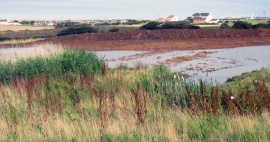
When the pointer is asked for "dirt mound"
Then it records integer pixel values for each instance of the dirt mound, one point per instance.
(166, 39)
(169, 35)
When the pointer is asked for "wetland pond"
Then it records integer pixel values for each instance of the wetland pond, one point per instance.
(214, 64)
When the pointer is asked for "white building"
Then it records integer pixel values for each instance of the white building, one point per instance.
(4, 21)
(13, 23)
(207, 16)
(172, 18)
(252, 17)
(8, 22)
(214, 21)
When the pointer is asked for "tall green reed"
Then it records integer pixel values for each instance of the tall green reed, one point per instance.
(70, 61)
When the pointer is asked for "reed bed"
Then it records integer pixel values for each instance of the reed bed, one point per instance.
(20, 41)
(73, 96)
(37, 50)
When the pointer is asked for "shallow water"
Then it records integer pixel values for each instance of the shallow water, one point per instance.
(218, 66)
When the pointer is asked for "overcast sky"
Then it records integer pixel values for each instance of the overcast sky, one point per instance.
(123, 9)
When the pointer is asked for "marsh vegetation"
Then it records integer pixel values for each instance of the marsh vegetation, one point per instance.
(72, 96)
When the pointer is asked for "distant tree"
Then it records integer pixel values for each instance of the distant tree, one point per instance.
(242, 25)
(16, 21)
(151, 26)
(32, 22)
(25, 22)
(77, 30)
(224, 26)
(114, 30)
(104, 24)
(261, 25)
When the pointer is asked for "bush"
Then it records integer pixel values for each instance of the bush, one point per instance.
(155, 26)
(193, 27)
(4, 38)
(77, 30)
(261, 25)
(151, 26)
(224, 26)
(114, 30)
(179, 26)
(242, 25)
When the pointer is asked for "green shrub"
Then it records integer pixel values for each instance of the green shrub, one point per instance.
(114, 30)
(77, 30)
(193, 27)
(224, 26)
(242, 25)
(180, 26)
(151, 26)
(261, 25)
(4, 38)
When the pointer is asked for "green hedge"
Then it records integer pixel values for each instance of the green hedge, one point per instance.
(77, 30)
(157, 25)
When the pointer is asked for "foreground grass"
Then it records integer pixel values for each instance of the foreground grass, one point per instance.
(73, 97)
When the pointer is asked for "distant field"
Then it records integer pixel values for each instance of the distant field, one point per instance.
(249, 21)
(20, 28)
(209, 26)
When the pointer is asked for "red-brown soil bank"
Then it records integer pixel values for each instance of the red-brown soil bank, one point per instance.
(166, 39)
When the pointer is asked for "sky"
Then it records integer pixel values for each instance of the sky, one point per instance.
(127, 9)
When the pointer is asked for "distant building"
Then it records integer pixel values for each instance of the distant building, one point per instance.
(14, 23)
(214, 21)
(252, 17)
(199, 17)
(4, 21)
(197, 20)
(52, 23)
(172, 18)
(8, 22)
(161, 20)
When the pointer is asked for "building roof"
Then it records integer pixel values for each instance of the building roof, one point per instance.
(201, 14)
(170, 16)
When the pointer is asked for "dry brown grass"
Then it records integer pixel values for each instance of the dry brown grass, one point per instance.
(13, 54)
(22, 27)
(20, 41)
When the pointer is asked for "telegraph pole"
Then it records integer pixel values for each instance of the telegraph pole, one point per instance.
(263, 14)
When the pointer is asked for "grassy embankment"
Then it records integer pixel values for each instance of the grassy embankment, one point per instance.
(73, 96)
(246, 79)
